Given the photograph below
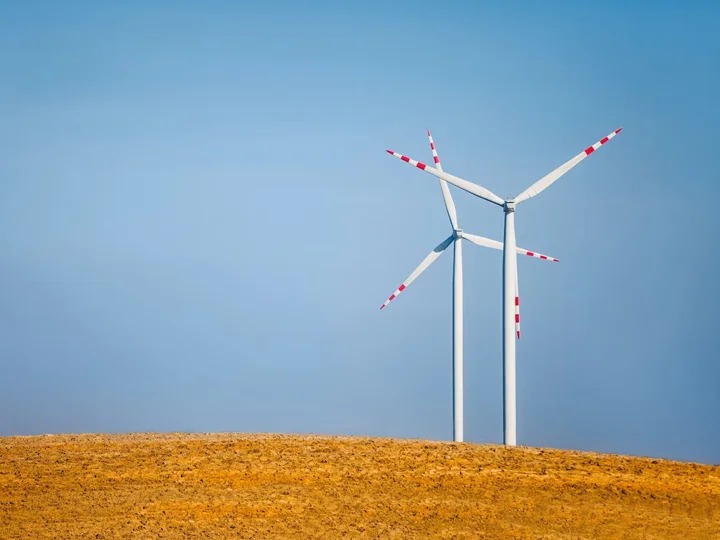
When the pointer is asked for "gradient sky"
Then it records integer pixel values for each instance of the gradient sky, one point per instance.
(198, 219)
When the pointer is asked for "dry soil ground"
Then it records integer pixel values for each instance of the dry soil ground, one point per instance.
(264, 486)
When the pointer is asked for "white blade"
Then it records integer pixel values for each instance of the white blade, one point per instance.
(476, 190)
(447, 197)
(547, 180)
(523, 251)
(494, 244)
(482, 241)
(434, 254)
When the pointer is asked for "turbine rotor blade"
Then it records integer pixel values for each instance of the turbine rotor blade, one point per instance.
(547, 180)
(494, 244)
(434, 254)
(482, 241)
(447, 197)
(476, 190)
(436, 158)
(523, 251)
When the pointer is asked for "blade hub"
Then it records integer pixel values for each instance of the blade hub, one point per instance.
(509, 206)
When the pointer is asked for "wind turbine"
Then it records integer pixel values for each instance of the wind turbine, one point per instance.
(455, 239)
(510, 298)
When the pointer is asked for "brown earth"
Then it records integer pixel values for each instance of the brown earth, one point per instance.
(265, 486)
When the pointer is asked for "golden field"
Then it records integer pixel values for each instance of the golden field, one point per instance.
(267, 486)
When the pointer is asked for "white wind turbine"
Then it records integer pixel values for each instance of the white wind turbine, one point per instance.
(510, 300)
(457, 235)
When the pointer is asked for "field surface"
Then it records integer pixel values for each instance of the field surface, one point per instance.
(266, 486)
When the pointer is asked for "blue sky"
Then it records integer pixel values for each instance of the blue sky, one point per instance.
(199, 222)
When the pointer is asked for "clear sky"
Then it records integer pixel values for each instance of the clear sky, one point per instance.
(198, 219)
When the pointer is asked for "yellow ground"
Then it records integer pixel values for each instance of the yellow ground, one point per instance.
(264, 486)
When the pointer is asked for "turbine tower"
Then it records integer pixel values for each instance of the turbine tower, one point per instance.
(457, 320)
(510, 296)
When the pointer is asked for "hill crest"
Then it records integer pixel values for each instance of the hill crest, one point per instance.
(228, 485)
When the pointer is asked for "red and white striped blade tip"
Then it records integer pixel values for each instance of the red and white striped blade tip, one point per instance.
(540, 256)
(406, 159)
(590, 149)
(436, 159)
(394, 295)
